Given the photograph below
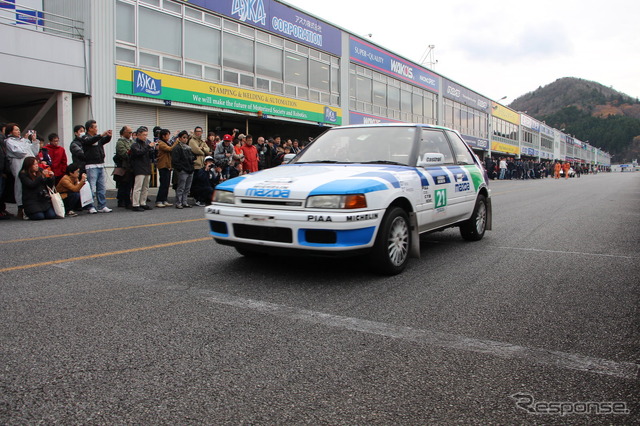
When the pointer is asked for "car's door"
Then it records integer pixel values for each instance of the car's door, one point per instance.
(466, 171)
(438, 186)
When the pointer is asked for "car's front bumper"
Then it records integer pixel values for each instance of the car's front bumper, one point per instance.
(309, 230)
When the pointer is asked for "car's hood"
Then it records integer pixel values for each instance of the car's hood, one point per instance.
(297, 181)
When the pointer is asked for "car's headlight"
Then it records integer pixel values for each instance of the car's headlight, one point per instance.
(355, 201)
(223, 197)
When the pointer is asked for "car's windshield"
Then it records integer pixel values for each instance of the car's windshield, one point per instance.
(391, 145)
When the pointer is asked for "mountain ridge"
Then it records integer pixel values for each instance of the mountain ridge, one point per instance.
(590, 111)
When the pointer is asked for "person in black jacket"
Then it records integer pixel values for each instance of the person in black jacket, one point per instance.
(182, 160)
(204, 182)
(141, 155)
(93, 147)
(36, 200)
(77, 153)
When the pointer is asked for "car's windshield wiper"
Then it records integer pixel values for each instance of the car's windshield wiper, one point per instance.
(383, 162)
(317, 161)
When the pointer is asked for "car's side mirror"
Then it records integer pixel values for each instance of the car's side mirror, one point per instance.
(431, 159)
(288, 158)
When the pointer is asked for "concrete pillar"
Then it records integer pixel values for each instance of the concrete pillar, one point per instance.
(65, 119)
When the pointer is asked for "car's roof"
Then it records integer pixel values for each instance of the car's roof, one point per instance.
(432, 126)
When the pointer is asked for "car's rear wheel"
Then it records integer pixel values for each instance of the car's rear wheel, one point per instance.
(473, 229)
(391, 248)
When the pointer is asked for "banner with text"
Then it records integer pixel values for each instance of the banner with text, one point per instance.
(465, 96)
(374, 57)
(167, 87)
(280, 19)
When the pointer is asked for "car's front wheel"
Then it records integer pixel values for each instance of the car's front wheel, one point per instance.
(473, 229)
(391, 249)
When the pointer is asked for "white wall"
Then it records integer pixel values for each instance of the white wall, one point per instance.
(37, 59)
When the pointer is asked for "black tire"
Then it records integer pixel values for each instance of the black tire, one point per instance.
(393, 242)
(246, 252)
(473, 229)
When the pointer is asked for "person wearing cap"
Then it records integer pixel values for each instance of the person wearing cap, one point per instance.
(141, 152)
(204, 182)
(198, 147)
(224, 156)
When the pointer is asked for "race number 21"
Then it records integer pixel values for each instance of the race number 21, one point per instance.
(441, 198)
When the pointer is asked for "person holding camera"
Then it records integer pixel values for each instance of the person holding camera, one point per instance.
(93, 147)
(204, 182)
(19, 148)
(141, 156)
(224, 157)
(182, 160)
(165, 146)
(35, 193)
(123, 174)
(69, 188)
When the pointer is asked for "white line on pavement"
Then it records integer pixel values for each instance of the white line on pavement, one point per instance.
(625, 370)
(569, 252)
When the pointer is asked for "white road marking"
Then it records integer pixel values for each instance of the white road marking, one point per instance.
(625, 370)
(570, 252)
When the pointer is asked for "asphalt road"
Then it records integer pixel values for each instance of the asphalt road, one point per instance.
(141, 318)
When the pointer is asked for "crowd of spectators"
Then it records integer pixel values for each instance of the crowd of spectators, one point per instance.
(185, 161)
(509, 168)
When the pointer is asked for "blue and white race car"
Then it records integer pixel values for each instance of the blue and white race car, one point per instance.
(366, 189)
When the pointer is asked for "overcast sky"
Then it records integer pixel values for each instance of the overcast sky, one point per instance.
(503, 47)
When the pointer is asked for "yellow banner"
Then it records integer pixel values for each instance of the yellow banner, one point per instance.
(150, 84)
(505, 113)
(504, 147)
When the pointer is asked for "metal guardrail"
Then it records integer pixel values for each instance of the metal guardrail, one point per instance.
(15, 14)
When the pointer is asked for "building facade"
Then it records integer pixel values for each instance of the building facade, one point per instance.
(261, 66)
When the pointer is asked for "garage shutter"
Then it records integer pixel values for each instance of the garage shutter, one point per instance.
(134, 115)
(177, 119)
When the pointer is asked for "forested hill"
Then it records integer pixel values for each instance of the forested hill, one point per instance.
(608, 119)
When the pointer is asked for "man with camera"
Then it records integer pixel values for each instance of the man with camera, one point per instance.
(93, 147)
(205, 181)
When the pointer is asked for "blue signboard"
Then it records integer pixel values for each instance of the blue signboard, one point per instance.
(374, 57)
(475, 142)
(465, 96)
(280, 19)
(546, 130)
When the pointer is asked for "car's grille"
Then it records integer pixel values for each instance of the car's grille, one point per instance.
(281, 204)
(272, 202)
(263, 233)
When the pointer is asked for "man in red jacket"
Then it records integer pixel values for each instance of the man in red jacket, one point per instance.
(250, 152)
(58, 157)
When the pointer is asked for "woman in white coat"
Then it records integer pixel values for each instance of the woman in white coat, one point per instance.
(18, 148)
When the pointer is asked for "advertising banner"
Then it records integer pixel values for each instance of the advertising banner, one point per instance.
(465, 96)
(530, 123)
(505, 113)
(504, 147)
(476, 142)
(387, 63)
(279, 19)
(167, 87)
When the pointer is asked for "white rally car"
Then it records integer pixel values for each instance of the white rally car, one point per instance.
(366, 189)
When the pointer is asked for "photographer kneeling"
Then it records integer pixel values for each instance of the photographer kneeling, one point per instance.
(69, 188)
(205, 181)
(35, 195)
